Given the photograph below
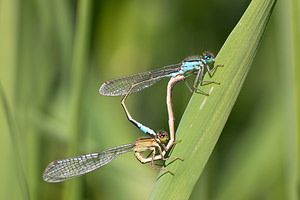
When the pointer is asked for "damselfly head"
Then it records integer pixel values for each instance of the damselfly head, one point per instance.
(208, 57)
(163, 136)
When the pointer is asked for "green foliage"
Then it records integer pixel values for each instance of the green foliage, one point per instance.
(54, 55)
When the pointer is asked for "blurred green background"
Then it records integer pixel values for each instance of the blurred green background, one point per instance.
(54, 55)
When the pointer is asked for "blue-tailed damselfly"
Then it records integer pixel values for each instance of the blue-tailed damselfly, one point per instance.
(140, 81)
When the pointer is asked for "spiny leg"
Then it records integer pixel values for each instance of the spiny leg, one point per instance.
(188, 86)
(162, 156)
(151, 164)
(199, 78)
(210, 73)
(213, 69)
(161, 153)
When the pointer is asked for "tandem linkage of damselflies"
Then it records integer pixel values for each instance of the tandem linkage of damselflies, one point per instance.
(68, 168)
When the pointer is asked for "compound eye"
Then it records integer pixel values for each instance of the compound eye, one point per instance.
(207, 57)
(162, 135)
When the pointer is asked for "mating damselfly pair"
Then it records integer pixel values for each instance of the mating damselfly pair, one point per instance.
(72, 167)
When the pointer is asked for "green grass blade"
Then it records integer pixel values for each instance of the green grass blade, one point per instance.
(293, 171)
(205, 117)
(78, 73)
(18, 166)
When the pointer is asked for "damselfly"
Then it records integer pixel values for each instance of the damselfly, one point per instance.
(140, 81)
(69, 168)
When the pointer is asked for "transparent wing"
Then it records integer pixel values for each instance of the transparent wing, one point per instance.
(121, 86)
(68, 168)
